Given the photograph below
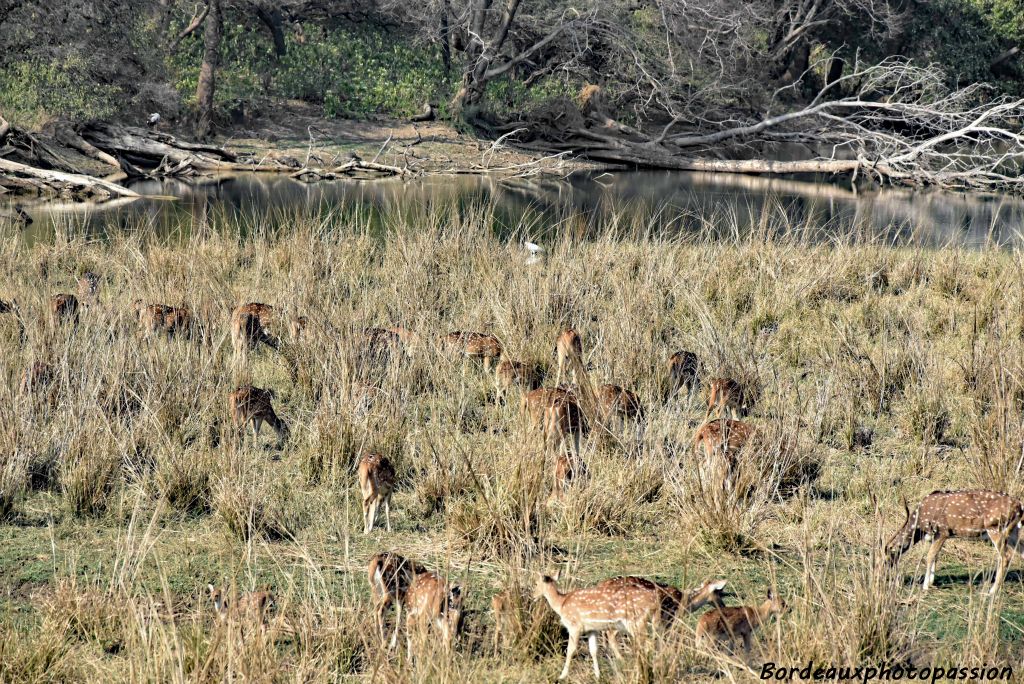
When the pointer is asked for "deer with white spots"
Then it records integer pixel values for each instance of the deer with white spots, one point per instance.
(721, 626)
(626, 604)
(727, 395)
(568, 349)
(376, 483)
(970, 514)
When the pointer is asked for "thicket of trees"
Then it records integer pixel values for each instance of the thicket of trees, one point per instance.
(669, 80)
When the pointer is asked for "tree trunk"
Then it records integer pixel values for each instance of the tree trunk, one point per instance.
(275, 24)
(446, 46)
(208, 70)
(835, 70)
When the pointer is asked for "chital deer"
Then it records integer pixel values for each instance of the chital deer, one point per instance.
(671, 599)
(160, 318)
(566, 470)
(431, 602)
(683, 372)
(390, 576)
(248, 404)
(251, 606)
(88, 289)
(506, 607)
(723, 625)
(251, 325)
(568, 348)
(474, 345)
(297, 326)
(971, 514)
(726, 394)
(376, 482)
(64, 309)
(509, 374)
(633, 607)
(616, 405)
(723, 440)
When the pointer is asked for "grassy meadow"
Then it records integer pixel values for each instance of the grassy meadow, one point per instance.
(883, 373)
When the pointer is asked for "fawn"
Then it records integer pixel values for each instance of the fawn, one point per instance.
(248, 404)
(64, 309)
(725, 394)
(563, 473)
(568, 347)
(390, 576)
(683, 371)
(723, 440)
(509, 374)
(297, 326)
(430, 601)
(88, 289)
(160, 318)
(971, 514)
(250, 326)
(376, 482)
(506, 606)
(474, 345)
(722, 625)
(624, 606)
(254, 605)
(617, 405)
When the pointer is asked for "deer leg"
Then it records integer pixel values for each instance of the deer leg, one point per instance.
(398, 622)
(592, 643)
(369, 514)
(613, 643)
(933, 555)
(381, 607)
(387, 511)
(1000, 541)
(570, 651)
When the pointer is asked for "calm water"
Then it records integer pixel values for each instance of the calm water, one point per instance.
(671, 202)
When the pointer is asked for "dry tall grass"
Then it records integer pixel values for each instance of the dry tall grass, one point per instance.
(882, 372)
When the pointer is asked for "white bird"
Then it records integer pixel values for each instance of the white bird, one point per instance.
(153, 119)
(536, 253)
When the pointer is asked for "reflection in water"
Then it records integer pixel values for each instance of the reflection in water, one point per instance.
(669, 202)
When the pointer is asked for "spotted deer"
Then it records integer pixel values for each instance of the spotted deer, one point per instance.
(431, 602)
(723, 440)
(251, 606)
(568, 348)
(672, 600)
(64, 309)
(297, 326)
(474, 345)
(161, 318)
(390, 576)
(970, 514)
(727, 395)
(631, 606)
(509, 374)
(566, 470)
(683, 372)
(507, 608)
(376, 483)
(616, 405)
(251, 325)
(721, 626)
(248, 404)
(88, 289)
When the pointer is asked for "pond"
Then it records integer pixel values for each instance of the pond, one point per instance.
(668, 203)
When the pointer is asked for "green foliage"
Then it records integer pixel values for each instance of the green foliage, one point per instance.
(32, 91)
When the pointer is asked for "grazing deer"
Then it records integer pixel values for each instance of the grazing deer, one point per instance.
(509, 374)
(431, 602)
(632, 607)
(568, 348)
(671, 599)
(251, 326)
(564, 472)
(683, 372)
(722, 625)
(88, 289)
(616, 405)
(474, 345)
(390, 576)
(723, 440)
(64, 309)
(376, 482)
(253, 605)
(727, 394)
(37, 376)
(557, 413)
(971, 514)
(248, 404)
(160, 318)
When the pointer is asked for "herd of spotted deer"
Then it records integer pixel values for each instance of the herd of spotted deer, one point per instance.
(561, 414)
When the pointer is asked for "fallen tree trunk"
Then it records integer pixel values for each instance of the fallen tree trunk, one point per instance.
(59, 182)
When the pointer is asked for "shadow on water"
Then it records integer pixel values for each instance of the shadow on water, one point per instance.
(669, 203)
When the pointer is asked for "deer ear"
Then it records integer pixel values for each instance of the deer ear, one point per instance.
(771, 595)
(209, 588)
(557, 575)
